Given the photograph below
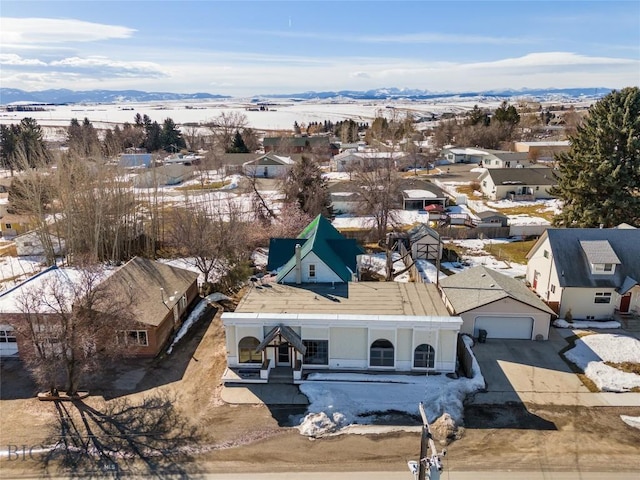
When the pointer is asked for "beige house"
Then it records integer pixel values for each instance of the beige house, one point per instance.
(287, 330)
(542, 151)
(502, 306)
(268, 165)
(587, 273)
(517, 183)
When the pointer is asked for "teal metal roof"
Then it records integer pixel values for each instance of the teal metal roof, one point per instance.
(320, 237)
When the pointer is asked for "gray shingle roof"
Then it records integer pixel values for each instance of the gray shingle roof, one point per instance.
(521, 176)
(480, 286)
(573, 266)
(599, 251)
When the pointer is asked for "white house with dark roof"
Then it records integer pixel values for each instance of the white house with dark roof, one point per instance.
(502, 306)
(517, 183)
(591, 273)
(268, 165)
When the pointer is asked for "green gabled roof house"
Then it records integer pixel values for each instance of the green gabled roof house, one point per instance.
(320, 254)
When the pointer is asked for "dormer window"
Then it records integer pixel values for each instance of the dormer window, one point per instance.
(602, 268)
(601, 256)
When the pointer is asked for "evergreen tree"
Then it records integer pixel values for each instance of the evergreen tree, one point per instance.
(171, 138)
(477, 117)
(8, 145)
(305, 185)
(30, 146)
(507, 114)
(238, 145)
(83, 139)
(599, 177)
(153, 137)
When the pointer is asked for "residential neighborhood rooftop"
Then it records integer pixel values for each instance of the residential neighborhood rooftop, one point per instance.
(522, 176)
(360, 298)
(481, 285)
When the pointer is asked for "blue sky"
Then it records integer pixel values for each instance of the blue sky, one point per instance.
(244, 48)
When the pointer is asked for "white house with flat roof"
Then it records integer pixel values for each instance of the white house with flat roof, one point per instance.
(286, 330)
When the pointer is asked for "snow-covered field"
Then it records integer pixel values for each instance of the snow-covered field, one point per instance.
(280, 116)
(338, 400)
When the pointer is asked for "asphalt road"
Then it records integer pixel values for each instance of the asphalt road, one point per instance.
(444, 476)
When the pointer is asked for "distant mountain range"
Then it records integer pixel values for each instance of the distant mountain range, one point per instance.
(64, 96)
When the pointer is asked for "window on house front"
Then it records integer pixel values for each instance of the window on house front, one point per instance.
(381, 354)
(317, 352)
(602, 297)
(553, 289)
(247, 350)
(424, 356)
(7, 336)
(312, 270)
(546, 254)
(137, 337)
(484, 183)
(7, 225)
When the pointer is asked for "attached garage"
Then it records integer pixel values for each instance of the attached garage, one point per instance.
(504, 327)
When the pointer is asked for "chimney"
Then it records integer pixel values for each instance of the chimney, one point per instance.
(298, 265)
(601, 225)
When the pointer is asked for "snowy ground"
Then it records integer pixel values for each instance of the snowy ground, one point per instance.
(477, 255)
(338, 400)
(592, 351)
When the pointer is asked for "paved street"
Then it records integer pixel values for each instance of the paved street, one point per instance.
(444, 476)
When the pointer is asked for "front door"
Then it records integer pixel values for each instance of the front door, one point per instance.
(283, 359)
(625, 302)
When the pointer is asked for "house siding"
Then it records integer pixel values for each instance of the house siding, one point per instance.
(581, 303)
(323, 273)
(547, 274)
(349, 346)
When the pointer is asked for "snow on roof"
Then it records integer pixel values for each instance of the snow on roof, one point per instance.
(419, 194)
(67, 278)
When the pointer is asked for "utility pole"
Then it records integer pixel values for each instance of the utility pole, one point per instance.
(427, 464)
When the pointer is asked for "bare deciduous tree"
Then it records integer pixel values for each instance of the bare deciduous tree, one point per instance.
(379, 194)
(225, 125)
(210, 232)
(70, 326)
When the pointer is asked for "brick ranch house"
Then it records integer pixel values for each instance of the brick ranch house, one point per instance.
(163, 295)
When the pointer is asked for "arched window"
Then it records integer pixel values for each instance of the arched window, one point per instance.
(424, 356)
(381, 354)
(247, 350)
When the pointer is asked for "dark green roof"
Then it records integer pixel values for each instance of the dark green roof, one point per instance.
(295, 141)
(320, 237)
(280, 251)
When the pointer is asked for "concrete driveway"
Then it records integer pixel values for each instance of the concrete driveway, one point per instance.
(527, 371)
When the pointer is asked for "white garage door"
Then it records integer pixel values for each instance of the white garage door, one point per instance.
(505, 327)
(8, 345)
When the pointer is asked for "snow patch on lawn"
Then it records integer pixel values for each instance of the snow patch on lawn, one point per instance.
(338, 400)
(562, 323)
(631, 421)
(592, 351)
